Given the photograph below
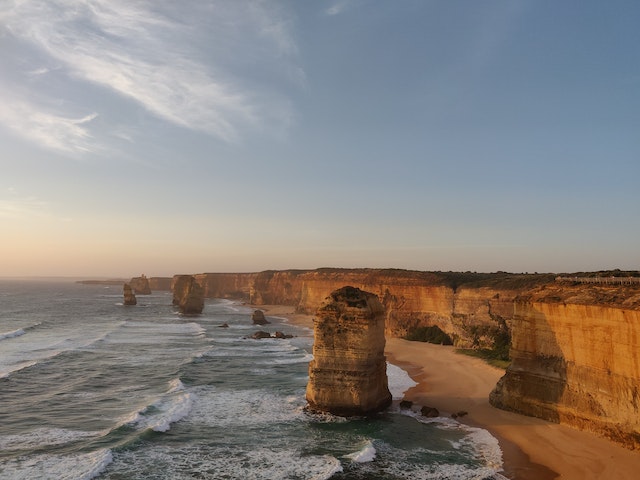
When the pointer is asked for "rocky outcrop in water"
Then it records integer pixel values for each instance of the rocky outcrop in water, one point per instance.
(140, 285)
(188, 295)
(258, 318)
(129, 296)
(347, 375)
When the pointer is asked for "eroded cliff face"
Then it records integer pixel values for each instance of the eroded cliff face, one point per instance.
(470, 315)
(577, 364)
(188, 294)
(160, 283)
(140, 285)
(226, 285)
(347, 375)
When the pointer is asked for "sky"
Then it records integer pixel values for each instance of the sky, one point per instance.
(163, 137)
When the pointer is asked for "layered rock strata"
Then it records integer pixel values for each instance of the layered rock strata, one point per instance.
(347, 375)
(129, 296)
(575, 345)
(575, 364)
(188, 295)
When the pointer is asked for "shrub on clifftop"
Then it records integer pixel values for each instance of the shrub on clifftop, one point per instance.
(431, 334)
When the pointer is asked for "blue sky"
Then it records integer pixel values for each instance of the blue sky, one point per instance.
(229, 135)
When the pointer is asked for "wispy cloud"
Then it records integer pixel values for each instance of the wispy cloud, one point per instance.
(55, 131)
(189, 63)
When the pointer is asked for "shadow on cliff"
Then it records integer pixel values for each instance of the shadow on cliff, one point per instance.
(535, 383)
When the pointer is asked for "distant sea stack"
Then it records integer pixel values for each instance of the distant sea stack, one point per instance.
(129, 296)
(141, 285)
(188, 295)
(258, 318)
(347, 375)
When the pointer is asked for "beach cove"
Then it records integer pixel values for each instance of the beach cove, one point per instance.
(533, 449)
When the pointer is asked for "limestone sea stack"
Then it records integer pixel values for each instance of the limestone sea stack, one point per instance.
(129, 296)
(141, 285)
(188, 295)
(348, 373)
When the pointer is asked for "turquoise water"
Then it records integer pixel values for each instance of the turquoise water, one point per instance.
(90, 388)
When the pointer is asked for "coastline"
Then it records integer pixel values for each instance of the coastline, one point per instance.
(533, 449)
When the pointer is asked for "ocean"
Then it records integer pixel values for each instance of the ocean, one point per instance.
(90, 388)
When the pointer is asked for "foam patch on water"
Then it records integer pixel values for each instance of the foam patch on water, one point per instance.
(485, 447)
(399, 381)
(367, 454)
(289, 360)
(192, 328)
(43, 437)
(402, 464)
(172, 407)
(57, 467)
(164, 463)
(250, 408)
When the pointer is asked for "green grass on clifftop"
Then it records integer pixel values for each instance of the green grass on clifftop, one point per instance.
(486, 355)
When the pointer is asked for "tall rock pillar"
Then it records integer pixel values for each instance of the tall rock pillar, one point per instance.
(188, 295)
(348, 373)
(129, 296)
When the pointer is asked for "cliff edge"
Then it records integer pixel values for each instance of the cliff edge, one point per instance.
(575, 354)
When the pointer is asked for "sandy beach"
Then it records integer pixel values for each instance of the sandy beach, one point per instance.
(533, 449)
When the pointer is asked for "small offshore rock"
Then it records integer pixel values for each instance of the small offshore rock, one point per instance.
(429, 412)
(260, 334)
(282, 335)
(224, 325)
(259, 318)
(406, 404)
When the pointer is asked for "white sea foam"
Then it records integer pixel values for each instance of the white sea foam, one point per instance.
(192, 328)
(250, 407)
(172, 407)
(290, 360)
(43, 437)
(83, 466)
(399, 381)
(366, 454)
(164, 463)
(12, 334)
(484, 445)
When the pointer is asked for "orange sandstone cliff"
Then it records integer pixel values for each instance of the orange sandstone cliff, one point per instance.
(471, 308)
(576, 359)
(575, 345)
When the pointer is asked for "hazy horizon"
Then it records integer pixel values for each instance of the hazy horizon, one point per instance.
(242, 136)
